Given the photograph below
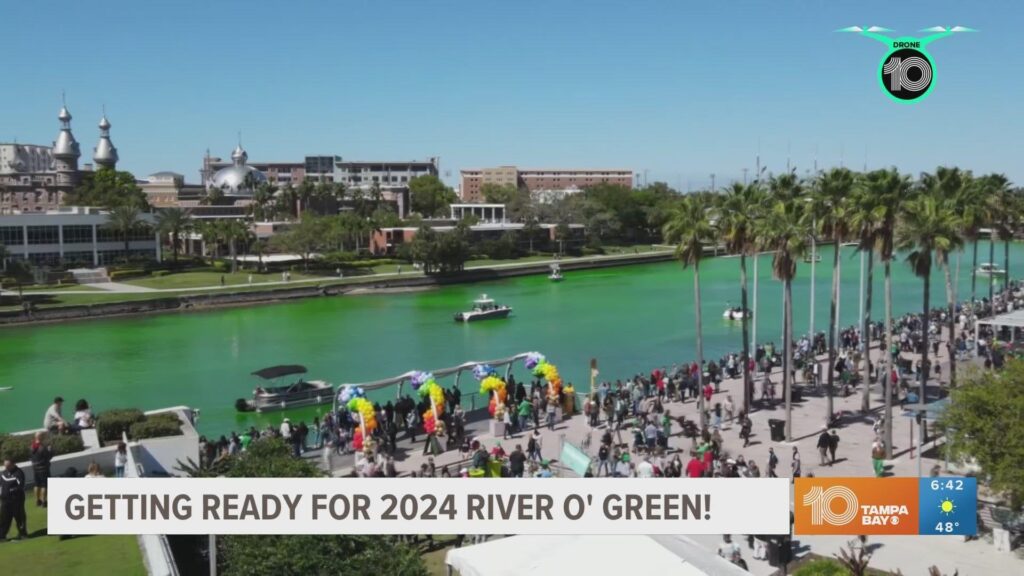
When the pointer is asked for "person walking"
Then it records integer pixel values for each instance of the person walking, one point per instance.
(833, 444)
(517, 462)
(773, 462)
(12, 500)
(796, 462)
(730, 409)
(877, 455)
(824, 441)
(603, 463)
(41, 456)
(533, 446)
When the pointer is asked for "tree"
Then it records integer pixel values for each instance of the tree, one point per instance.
(303, 238)
(212, 232)
(262, 199)
(173, 221)
(531, 230)
(785, 233)
(423, 248)
(107, 188)
(690, 230)
(977, 425)
(235, 230)
(125, 219)
(499, 194)
(276, 555)
(927, 226)
(863, 228)
(453, 248)
(429, 196)
(1002, 217)
(736, 221)
(829, 209)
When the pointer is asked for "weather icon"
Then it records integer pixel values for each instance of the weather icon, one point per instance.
(947, 507)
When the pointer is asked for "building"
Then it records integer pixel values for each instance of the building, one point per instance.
(72, 237)
(162, 189)
(386, 174)
(387, 241)
(239, 180)
(487, 213)
(545, 183)
(36, 178)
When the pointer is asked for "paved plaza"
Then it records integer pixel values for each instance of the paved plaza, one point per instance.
(912, 555)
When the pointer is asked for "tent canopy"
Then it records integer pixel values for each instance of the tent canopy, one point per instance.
(561, 555)
(279, 371)
(1013, 319)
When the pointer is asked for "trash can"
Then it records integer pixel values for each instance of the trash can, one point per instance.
(796, 394)
(778, 429)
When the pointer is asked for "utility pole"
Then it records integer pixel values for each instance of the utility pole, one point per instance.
(712, 183)
(744, 176)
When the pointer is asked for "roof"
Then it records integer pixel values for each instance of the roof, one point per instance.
(1013, 319)
(278, 371)
(563, 554)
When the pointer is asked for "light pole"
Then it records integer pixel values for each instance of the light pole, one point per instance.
(753, 330)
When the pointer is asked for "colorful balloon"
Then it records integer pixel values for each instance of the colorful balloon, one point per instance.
(481, 371)
(495, 388)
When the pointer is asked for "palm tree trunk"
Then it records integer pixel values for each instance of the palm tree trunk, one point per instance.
(992, 277)
(951, 322)
(1006, 258)
(832, 321)
(887, 387)
(174, 247)
(700, 344)
(234, 260)
(925, 368)
(974, 271)
(865, 404)
(787, 358)
(747, 385)
(126, 232)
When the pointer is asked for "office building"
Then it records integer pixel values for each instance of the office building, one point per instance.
(73, 237)
(543, 184)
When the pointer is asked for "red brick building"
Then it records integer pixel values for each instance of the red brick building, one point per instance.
(541, 181)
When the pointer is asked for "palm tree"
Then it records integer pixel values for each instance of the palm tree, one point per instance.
(830, 208)
(736, 222)
(233, 231)
(1002, 216)
(125, 218)
(212, 232)
(949, 186)
(690, 229)
(305, 192)
(862, 226)
(891, 191)
(262, 197)
(927, 226)
(173, 221)
(783, 231)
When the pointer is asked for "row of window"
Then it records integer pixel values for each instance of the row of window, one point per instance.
(80, 258)
(13, 235)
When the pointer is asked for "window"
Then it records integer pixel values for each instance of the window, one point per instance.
(73, 259)
(43, 235)
(78, 234)
(11, 236)
(44, 258)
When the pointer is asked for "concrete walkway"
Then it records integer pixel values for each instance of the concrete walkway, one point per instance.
(912, 555)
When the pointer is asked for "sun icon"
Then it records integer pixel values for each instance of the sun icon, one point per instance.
(947, 507)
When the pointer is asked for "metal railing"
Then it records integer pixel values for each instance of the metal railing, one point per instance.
(156, 550)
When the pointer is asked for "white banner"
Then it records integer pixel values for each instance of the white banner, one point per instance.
(418, 506)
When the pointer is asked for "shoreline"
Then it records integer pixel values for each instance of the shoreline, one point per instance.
(369, 285)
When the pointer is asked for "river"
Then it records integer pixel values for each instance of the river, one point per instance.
(630, 318)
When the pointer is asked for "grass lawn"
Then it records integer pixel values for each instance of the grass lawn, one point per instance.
(52, 288)
(204, 279)
(45, 555)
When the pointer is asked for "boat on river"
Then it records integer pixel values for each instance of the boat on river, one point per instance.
(808, 259)
(989, 269)
(280, 396)
(556, 273)
(736, 314)
(484, 308)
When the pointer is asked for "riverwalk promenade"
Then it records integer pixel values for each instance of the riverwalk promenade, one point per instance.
(911, 555)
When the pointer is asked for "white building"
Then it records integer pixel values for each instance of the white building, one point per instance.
(487, 213)
(72, 237)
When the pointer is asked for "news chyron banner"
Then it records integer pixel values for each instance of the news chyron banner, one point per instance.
(418, 506)
(908, 506)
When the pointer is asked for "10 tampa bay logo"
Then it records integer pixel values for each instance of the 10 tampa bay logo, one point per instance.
(906, 72)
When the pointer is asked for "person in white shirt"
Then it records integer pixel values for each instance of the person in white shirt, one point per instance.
(83, 415)
(727, 548)
(286, 429)
(645, 469)
(53, 421)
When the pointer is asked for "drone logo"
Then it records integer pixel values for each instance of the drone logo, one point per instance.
(906, 73)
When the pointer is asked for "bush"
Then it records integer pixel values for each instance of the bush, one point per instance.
(591, 251)
(160, 273)
(112, 423)
(822, 567)
(19, 448)
(125, 273)
(156, 427)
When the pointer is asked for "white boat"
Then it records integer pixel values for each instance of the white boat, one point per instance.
(989, 269)
(556, 273)
(484, 308)
(817, 258)
(735, 314)
(294, 395)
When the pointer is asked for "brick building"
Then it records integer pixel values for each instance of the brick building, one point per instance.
(541, 183)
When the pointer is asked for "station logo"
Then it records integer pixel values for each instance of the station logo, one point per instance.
(906, 72)
(856, 506)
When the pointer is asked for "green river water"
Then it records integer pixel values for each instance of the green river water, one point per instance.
(630, 318)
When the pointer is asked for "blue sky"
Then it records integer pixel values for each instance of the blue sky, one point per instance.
(680, 89)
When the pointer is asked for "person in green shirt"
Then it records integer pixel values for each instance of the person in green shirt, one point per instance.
(244, 440)
(525, 408)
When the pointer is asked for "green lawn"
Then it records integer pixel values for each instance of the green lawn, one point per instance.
(52, 287)
(45, 555)
(203, 279)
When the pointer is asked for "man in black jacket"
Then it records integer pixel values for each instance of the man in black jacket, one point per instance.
(12, 500)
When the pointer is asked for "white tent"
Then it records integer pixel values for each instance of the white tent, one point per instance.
(563, 555)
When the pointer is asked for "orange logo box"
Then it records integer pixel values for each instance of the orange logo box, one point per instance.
(855, 506)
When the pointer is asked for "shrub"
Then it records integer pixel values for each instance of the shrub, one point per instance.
(822, 567)
(220, 266)
(160, 273)
(19, 448)
(591, 251)
(112, 423)
(125, 273)
(155, 427)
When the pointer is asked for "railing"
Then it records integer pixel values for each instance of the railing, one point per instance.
(156, 550)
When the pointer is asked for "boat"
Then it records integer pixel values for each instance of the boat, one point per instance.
(484, 308)
(735, 314)
(807, 258)
(281, 396)
(989, 269)
(6, 388)
(556, 273)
